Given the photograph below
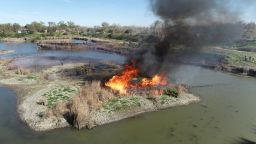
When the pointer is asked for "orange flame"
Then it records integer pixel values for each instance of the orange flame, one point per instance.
(122, 83)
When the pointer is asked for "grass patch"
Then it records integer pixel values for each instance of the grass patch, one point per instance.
(120, 104)
(237, 58)
(28, 78)
(60, 93)
(164, 99)
(245, 44)
(31, 77)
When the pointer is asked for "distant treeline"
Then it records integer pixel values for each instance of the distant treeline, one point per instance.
(38, 30)
(41, 29)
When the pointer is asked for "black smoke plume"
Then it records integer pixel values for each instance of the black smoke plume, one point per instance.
(187, 27)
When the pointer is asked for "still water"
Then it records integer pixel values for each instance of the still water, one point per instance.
(27, 54)
(225, 114)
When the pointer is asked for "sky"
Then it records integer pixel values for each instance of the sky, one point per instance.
(83, 12)
(86, 12)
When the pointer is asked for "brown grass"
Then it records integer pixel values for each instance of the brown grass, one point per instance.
(23, 71)
(94, 94)
(91, 97)
(78, 109)
(18, 70)
(11, 67)
(181, 88)
(79, 112)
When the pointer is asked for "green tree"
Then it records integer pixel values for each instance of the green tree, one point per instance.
(71, 24)
(36, 27)
(16, 27)
(52, 27)
(62, 25)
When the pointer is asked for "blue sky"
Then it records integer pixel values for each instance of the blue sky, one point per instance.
(85, 12)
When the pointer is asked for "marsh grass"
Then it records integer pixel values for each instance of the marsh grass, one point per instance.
(237, 58)
(90, 97)
(94, 94)
(61, 93)
(245, 44)
(121, 104)
(28, 78)
(164, 99)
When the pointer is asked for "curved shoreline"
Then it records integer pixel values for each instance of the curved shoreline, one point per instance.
(28, 110)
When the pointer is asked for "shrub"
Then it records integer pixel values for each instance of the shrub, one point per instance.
(79, 112)
(94, 94)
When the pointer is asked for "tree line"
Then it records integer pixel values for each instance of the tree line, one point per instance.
(41, 29)
(105, 30)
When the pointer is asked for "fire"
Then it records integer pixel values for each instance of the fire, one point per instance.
(122, 82)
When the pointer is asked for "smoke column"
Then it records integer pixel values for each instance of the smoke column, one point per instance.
(188, 26)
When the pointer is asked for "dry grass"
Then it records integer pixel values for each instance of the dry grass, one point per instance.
(94, 94)
(23, 71)
(91, 97)
(181, 88)
(18, 70)
(11, 67)
(58, 110)
(78, 109)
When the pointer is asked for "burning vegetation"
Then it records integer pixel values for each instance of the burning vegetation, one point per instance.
(130, 79)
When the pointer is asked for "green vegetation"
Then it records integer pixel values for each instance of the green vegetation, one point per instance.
(171, 92)
(119, 104)
(28, 78)
(31, 77)
(245, 44)
(60, 93)
(240, 58)
(39, 30)
(164, 99)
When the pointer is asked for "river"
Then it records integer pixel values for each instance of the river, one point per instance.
(225, 114)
